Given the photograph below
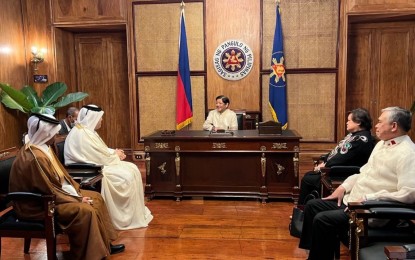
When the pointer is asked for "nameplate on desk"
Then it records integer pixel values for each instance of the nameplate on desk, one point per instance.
(168, 133)
(221, 132)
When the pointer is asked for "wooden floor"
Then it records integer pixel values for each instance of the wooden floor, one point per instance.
(197, 229)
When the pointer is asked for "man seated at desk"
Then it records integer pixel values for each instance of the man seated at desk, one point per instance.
(221, 117)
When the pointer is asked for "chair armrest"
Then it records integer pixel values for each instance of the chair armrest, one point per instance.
(18, 196)
(84, 166)
(325, 171)
(378, 204)
(46, 201)
(84, 170)
(91, 181)
(340, 171)
(382, 213)
(361, 212)
(389, 213)
(87, 175)
(345, 168)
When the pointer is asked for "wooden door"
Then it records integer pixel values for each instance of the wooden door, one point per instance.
(102, 72)
(380, 70)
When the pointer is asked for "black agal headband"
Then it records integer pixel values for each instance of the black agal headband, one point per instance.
(96, 109)
(44, 118)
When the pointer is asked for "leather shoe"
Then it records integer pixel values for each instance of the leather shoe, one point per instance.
(115, 249)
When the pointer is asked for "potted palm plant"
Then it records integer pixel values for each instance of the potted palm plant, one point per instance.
(28, 101)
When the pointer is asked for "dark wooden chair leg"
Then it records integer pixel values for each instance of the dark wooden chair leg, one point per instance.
(27, 245)
(51, 248)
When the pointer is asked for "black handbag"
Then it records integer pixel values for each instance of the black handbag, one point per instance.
(296, 225)
(297, 218)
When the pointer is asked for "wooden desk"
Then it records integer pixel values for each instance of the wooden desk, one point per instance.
(195, 163)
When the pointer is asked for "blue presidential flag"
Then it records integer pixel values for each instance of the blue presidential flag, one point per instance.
(277, 81)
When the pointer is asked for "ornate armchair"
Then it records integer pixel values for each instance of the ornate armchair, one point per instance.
(247, 120)
(368, 242)
(87, 174)
(240, 117)
(332, 177)
(10, 225)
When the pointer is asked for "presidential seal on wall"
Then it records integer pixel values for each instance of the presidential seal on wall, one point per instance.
(233, 60)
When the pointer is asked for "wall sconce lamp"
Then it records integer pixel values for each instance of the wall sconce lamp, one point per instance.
(38, 56)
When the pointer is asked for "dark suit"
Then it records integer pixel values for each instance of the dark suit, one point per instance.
(64, 129)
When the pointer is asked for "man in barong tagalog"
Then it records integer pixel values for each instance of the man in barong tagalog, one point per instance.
(122, 187)
(81, 214)
(387, 176)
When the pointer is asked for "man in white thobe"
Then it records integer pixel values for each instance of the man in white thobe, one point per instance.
(122, 187)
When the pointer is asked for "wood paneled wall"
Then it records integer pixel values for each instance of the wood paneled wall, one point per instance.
(65, 59)
(27, 23)
(51, 24)
(88, 11)
(38, 33)
(310, 49)
(379, 6)
(157, 52)
(310, 33)
(15, 69)
(101, 63)
(365, 11)
(381, 69)
(239, 20)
